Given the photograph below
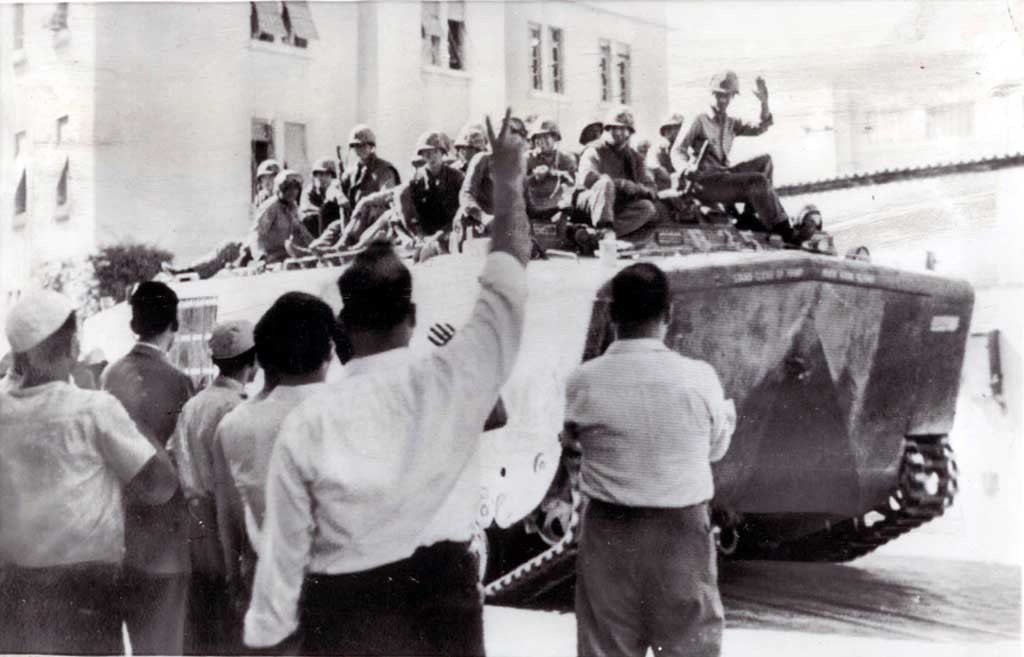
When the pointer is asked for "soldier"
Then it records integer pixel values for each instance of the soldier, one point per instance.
(153, 391)
(476, 206)
(431, 201)
(371, 173)
(659, 159)
(716, 181)
(71, 459)
(233, 351)
(590, 134)
(319, 205)
(549, 171)
(277, 226)
(265, 174)
(470, 141)
(615, 190)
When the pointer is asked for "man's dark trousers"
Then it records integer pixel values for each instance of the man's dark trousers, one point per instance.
(647, 577)
(748, 182)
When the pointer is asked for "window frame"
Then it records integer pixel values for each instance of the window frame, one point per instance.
(605, 70)
(441, 52)
(623, 52)
(18, 26)
(289, 38)
(556, 48)
(535, 32)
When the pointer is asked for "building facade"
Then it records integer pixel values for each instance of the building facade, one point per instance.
(144, 121)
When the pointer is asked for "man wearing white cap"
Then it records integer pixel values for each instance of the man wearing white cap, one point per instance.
(70, 458)
(234, 353)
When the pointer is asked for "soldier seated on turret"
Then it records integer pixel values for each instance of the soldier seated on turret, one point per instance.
(550, 173)
(471, 140)
(370, 174)
(321, 200)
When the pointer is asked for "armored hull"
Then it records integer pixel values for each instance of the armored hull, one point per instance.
(844, 375)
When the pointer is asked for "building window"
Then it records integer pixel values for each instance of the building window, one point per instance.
(19, 26)
(21, 195)
(62, 185)
(443, 34)
(59, 18)
(62, 129)
(623, 73)
(606, 70)
(20, 142)
(557, 60)
(295, 156)
(262, 146)
(289, 22)
(536, 58)
(954, 120)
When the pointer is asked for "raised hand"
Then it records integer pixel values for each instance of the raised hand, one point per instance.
(441, 334)
(508, 149)
(762, 90)
(510, 229)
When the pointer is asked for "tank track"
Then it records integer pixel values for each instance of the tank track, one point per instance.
(927, 485)
(543, 573)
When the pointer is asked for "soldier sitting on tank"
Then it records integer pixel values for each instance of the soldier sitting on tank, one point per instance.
(371, 173)
(470, 141)
(659, 159)
(276, 233)
(715, 179)
(320, 204)
(550, 172)
(265, 174)
(614, 188)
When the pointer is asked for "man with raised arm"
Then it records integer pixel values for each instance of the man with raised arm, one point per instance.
(363, 514)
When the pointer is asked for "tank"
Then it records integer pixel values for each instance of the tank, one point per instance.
(844, 374)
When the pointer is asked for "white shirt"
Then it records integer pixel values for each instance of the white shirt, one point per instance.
(649, 424)
(367, 470)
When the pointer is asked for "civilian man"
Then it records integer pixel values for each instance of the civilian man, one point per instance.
(234, 354)
(153, 392)
(648, 422)
(70, 457)
(363, 514)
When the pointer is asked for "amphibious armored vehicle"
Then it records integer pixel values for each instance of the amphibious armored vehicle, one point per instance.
(844, 374)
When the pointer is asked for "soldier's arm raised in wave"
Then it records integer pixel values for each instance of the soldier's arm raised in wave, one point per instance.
(510, 231)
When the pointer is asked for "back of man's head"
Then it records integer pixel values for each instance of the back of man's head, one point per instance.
(376, 290)
(294, 337)
(640, 294)
(154, 309)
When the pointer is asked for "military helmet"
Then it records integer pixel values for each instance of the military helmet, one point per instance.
(361, 134)
(326, 165)
(268, 167)
(544, 127)
(590, 132)
(472, 135)
(621, 116)
(671, 121)
(285, 176)
(431, 139)
(725, 83)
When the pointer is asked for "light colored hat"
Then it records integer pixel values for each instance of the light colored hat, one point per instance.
(284, 176)
(326, 165)
(725, 83)
(671, 121)
(231, 339)
(429, 140)
(545, 126)
(268, 168)
(361, 134)
(472, 135)
(622, 117)
(35, 317)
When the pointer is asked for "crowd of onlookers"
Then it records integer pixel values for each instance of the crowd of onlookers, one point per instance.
(336, 518)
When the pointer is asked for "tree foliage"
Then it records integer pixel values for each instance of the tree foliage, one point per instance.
(119, 266)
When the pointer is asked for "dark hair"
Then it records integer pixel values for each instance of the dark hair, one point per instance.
(294, 336)
(154, 309)
(376, 290)
(235, 364)
(639, 294)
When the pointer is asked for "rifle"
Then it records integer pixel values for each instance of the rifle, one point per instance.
(685, 183)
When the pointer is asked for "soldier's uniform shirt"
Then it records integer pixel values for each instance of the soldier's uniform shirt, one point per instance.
(649, 443)
(478, 188)
(542, 192)
(366, 470)
(366, 178)
(435, 198)
(321, 202)
(623, 165)
(659, 162)
(719, 130)
(192, 441)
(276, 222)
(67, 454)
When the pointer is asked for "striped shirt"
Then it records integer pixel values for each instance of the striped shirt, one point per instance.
(649, 423)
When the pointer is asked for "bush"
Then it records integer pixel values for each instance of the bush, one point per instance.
(74, 279)
(119, 266)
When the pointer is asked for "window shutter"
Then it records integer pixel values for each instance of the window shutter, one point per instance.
(269, 20)
(301, 19)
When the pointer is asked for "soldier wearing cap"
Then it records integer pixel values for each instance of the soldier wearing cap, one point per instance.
(549, 171)
(718, 181)
(614, 188)
(71, 457)
(265, 174)
(233, 351)
(320, 200)
(153, 391)
(476, 198)
(659, 159)
(371, 173)
(470, 141)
